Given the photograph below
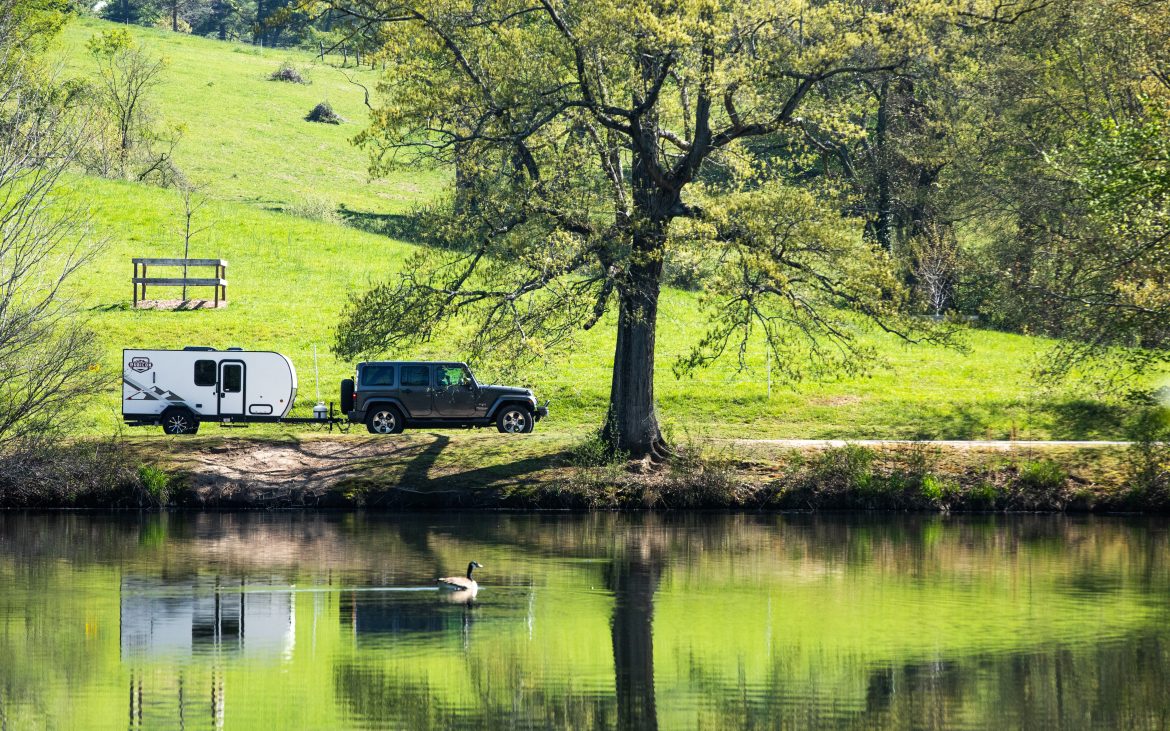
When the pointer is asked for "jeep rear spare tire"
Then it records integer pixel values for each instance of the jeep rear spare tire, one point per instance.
(515, 419)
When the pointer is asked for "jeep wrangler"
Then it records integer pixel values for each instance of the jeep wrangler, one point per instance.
(389, 396)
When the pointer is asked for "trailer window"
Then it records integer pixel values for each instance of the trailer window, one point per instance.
(205, 372)
(416, 375)
(377, 375)
(233, 378)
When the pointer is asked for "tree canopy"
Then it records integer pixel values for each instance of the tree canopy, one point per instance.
(593, 138)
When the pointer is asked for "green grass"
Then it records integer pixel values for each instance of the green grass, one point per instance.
(246, 138)
(290, 276)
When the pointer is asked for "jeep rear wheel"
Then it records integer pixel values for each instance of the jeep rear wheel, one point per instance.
(179, 421)
(384, 420)
(515, 420)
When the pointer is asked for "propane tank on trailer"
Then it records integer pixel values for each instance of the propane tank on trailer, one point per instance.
(320, 411)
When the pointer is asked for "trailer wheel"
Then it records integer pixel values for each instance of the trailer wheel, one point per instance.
(179, 421)
(384, 420)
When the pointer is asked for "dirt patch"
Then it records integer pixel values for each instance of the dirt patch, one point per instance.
(180, 304)
(297, 471)
(835, 401)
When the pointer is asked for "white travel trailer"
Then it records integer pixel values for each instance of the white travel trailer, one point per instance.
(180, 388)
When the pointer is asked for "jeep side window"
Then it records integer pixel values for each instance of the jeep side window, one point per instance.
(416, 375)
(448, 376)
(205, 372)
(378, 375)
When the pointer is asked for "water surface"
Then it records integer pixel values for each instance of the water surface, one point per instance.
(281, 621)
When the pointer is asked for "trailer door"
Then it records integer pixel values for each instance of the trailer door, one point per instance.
(231, 388)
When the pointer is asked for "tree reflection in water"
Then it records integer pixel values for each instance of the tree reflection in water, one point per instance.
(634, 581)
(586, 622)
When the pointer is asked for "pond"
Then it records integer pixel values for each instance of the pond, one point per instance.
(598, 621)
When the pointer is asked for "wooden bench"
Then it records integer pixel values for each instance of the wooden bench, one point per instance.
(219, 281)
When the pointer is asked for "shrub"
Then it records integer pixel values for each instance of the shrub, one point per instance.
(1147, 461)
(324, 114)
(1043, 475)
(156, 483)
(848, 467)
(934, 488)
(984, 495)
(47, 472)
(289, 74)
(314, 208)
(591, 452)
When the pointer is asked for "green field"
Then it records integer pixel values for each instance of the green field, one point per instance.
(247, 142)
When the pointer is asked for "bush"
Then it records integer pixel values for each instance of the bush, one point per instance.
(1043, 475)
(849, 467)
(594, 452)
(324, 114)
(1147, 461)
(49, 472)
(313, 208)
(156, 483)
(289, 74)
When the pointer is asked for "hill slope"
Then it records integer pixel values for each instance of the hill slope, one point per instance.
(246, 140)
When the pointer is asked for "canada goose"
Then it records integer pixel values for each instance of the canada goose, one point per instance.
(459, 583)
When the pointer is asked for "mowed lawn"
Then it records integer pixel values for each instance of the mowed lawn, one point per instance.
(290, 276)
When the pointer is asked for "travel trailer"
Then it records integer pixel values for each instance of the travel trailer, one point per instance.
(181, 388)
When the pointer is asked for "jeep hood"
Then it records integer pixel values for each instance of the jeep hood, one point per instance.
(507, 390)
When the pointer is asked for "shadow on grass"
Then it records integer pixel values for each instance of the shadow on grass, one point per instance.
(1086, 419)
(403, 227)
(415, 486)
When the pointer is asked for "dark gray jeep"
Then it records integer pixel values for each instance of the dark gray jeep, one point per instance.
(388, 396)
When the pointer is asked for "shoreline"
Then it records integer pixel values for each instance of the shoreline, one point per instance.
(468, 471)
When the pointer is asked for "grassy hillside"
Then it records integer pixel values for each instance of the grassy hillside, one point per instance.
(247, 141)
(245, 137)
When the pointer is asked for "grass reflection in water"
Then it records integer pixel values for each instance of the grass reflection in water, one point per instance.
(586, 621)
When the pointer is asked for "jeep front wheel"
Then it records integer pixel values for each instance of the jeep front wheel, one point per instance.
(515, 420)
(384, 420)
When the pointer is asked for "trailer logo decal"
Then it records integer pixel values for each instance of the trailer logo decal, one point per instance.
(140, 365)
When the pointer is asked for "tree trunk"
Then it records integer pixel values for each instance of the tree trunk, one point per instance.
(174, 16)
(631, 424)
(634, 584)
(885, 206)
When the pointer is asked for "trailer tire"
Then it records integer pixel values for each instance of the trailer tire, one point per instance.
(384, 420)
(179, 422)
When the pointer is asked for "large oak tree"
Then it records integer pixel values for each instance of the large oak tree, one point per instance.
(594, 137)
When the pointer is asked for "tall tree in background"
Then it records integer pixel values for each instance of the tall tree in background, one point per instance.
(599, 136)
(132, 12)
(1068, 181)
(46, 353)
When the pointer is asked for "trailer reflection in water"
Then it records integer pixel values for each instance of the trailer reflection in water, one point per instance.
(180, 620)
(167, 618)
